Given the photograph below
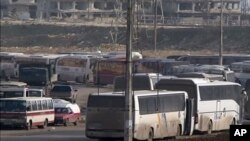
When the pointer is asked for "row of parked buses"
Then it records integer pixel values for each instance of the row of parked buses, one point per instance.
(102, 68)
(176, 106)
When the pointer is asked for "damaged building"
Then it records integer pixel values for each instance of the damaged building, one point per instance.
(172, 12)
(18, 9)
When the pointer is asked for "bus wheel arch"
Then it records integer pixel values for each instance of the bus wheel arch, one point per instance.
(179, 130)
(45, 124)
(150, 134)
(209, 127)
(29, 125)
(233, 121)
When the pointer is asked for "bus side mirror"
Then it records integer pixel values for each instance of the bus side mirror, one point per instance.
(245, 94)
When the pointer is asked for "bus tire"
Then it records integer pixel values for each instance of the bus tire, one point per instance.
(29, 125)
(66, 122)
(179, 131)
(45, 124)
(150, 135)
(76, 122)
(209, 127)
(233, 122)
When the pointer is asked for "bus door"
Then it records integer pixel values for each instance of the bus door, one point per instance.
(189, 122)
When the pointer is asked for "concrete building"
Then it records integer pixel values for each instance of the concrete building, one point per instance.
(182, 12)
(19, 9)
(202, 11)
(78, 8)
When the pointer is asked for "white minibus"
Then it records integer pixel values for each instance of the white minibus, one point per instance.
(26, 112)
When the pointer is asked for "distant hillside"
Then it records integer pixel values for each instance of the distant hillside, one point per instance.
(235, 38)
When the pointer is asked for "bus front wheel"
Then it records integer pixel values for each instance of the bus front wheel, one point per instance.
(209, 127)
(29, 125)
(45, 124)
(150, 135)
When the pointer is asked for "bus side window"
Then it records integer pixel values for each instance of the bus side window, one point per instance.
(50, 104)
(39, 104)
(33, 106)
(29, 106)
(27, 93)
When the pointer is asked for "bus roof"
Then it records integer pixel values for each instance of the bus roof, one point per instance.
(200, 81)
(61, 103)
(12, 83)
(27, 98)
(139, 93)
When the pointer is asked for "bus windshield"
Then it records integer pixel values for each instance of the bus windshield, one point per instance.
(12, 106)
(120, 83)
(9, 94)
(33, 93)
(96, 101)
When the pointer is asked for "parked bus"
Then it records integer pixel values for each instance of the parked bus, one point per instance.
(154, 65)
(8, 66)
(217, 104)
(14, 91)
(26, 112)
(107, 69)
(223, 72)
(38, 69)
(74, 68)
(9, 92)
(156, 114)
(242, 71)
(140, 81)
(214, 59)
(247, 105)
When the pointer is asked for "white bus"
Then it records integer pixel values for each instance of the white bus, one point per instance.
(73, 68)
(217, 104)
(9, 92)
(26, 112)
(156, 114)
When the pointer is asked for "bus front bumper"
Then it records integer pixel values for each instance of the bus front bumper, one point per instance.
(104, 134)
(13, 122)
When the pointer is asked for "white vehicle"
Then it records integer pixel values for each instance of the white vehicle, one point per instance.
(35, 92)
(122, 55)
(12, 84)
(141, 81)
(217, 104)
(156, 114)
(8, 66)
(73, 68)
(26, 112)
(9, 92)
(22, 91)
(66, 112)
(37, 69)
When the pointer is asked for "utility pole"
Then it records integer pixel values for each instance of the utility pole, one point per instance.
(221, 34)
(155, 25)
(128, 123)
